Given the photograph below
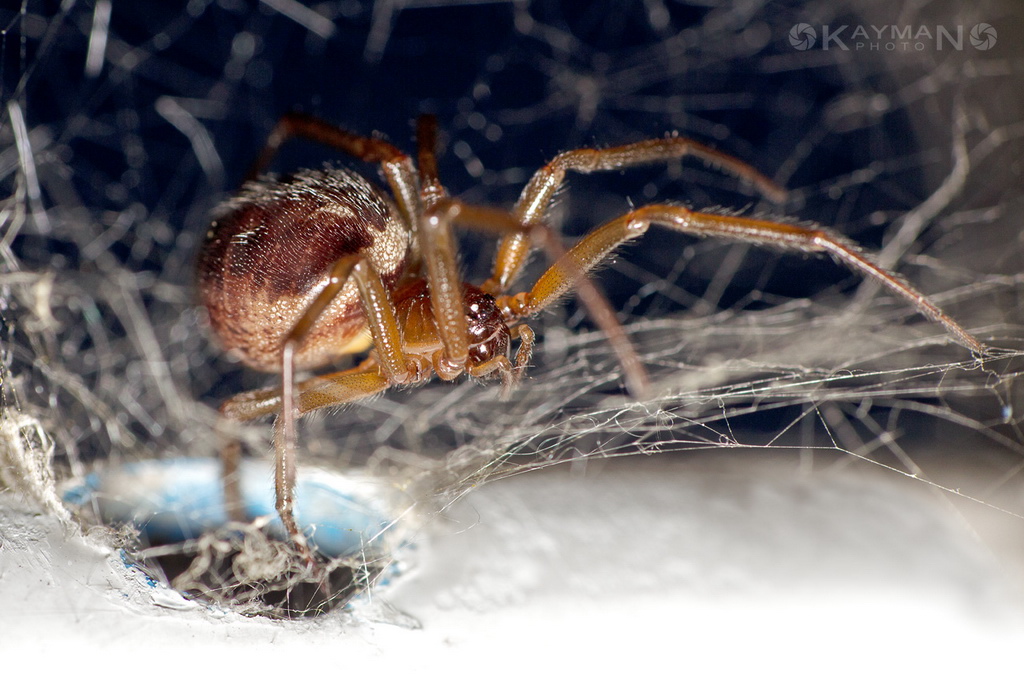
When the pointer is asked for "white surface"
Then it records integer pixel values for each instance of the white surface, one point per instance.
(692, 565)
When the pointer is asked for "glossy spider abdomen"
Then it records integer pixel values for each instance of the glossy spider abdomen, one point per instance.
(270, 251)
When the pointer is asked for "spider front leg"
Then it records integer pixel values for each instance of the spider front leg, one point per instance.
(536, 197)
(599, 244)
(439, 252)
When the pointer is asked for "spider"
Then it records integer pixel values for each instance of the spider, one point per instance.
(297, 271)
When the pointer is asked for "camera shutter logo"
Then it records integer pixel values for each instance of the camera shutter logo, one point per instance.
(802, 36)
(983, 36)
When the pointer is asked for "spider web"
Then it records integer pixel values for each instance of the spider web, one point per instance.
(123, 127)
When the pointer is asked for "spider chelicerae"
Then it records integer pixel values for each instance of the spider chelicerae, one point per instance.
(297, 269)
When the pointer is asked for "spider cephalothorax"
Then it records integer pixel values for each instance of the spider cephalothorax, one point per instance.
(299, 270)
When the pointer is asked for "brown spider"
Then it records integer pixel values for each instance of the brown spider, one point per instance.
(295, 271)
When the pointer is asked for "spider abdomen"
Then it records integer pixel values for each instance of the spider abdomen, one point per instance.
(270, 252)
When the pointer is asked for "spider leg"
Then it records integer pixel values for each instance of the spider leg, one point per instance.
(313, 394)
(395, 164)
(439, 251)
(392, 366)
(323, 391)
(598, 245)
(431, 189)
(536, 197)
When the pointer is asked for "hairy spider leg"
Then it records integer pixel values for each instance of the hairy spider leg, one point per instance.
(431, 189)
(389, 357)
(325, 390)
(538, 193)
(338, 388)
(598, 244)
(395, 164)
(440, 254)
